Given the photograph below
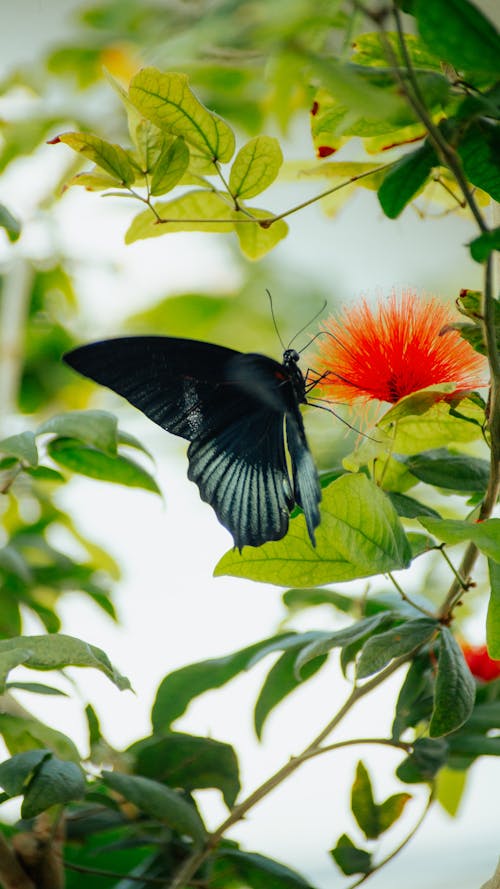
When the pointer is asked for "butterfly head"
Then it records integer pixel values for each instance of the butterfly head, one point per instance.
(290, 356)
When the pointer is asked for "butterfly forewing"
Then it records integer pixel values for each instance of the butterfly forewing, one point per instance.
(232, 408)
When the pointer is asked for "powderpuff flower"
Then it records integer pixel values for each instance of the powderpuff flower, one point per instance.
(397, 348)
(481, 665)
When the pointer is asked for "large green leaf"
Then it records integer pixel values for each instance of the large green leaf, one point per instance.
(159, 801)
(255, 167)
(180, 687)
(167, 101)
(16, 772)
(428, 756)
(189, 762)
(479, 150)
(458, 32)
(481, 247)
(200, 210)
(52, 653)
(405, 179)
(486, 535)
(97, 428)
(360, 535)
(356, 632)
(281, 681)
(493, 616)
(398, 641)
(54, 782)
(456, 472)
(455, 688)
(88, 461)
(23, 733)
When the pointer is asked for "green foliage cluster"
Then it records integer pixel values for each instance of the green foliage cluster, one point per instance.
(421, 109)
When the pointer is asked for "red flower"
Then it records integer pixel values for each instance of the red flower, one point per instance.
(394, 350)
(481, 665)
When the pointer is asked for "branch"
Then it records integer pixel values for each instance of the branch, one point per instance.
(191, 865)
(12, 875)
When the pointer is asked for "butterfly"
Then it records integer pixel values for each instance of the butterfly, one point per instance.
(235, 409)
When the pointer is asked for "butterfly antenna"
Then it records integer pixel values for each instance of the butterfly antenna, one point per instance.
(312, 402)
(318, 313)
(274, 319)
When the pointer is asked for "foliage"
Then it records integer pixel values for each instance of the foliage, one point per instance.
(412, 99)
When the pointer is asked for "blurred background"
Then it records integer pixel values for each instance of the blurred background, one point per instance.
(70, 278)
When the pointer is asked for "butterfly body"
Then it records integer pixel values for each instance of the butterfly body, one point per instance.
(235, 409)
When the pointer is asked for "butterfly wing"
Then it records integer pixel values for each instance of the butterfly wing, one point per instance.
(305, 477)
(230, 406)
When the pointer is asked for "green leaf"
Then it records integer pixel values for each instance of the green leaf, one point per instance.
(158, 801)
(23, 733)
(408, 507)
(21, 446)
(360, 535)
(363, 805)
(455, 688)
(280, 682)
(97, 428)
(455, 472)
(111, 158)
(493, 615)
(341, 638)
(15, 773)
(88, 461)
(415, 699)
(374, 819)
(44, 474)
(297, 600)
(255, 167)
(37, 688)
(189, 762)
(95, 180)
(458, 32)
(233, 867)
(396, 642)
(405, 179)
(256, 240)
(167, 101)
(179, 688)
(349, 858)
(170, 166)
(474, 745)
(201, 210)
(428, 757)
(481, 247)
(8, 222)
(54, 782)
(486, 535)
(450, 787)
(423, 420)
(52, 653)
(479, 151)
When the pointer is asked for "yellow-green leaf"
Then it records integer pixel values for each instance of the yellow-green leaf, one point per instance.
(360, 535)
(95, 181)
(424, 423)
(170, 166)
(168, 101)
(255, 166)
(256, 240)
(201, 210)
(112, 158)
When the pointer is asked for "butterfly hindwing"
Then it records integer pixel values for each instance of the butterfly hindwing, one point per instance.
(232, 408)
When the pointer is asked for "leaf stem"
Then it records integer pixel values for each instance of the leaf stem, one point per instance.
(191, 865)
(407, 599)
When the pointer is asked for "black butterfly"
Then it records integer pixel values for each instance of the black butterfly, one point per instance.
(234, 409)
